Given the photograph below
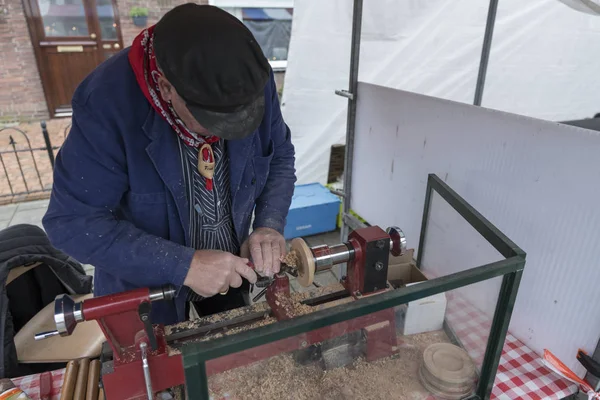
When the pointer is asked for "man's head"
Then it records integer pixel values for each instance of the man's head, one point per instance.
(214, 70)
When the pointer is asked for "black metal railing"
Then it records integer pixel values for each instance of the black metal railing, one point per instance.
(22, 163)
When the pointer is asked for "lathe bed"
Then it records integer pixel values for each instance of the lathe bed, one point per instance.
(250, 317)
(261, 314)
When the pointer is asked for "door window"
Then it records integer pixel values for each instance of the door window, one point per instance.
(106, 18)
(63, 17)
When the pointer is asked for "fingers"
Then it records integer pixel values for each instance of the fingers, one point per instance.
(267, 246)
(282, 246)
(256, 254)
(241, 268)
(276, 256)
(267, 256)
(235, 281)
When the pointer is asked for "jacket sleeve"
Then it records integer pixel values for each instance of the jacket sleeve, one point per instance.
(90, 180)
(273, 204)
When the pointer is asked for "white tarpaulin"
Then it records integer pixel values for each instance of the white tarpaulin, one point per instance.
(542, 61)
(588, 6)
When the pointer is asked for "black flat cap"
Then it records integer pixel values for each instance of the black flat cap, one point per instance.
(215, 64)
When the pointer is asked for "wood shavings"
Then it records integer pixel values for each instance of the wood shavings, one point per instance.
(211, 319)
(281, 377)
(292, 307)
(291, 259)
(318, 292)
(262, 322)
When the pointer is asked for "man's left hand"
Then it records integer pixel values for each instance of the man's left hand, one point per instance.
(265, 246)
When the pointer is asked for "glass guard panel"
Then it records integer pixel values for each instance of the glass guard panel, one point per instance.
(426, 334)
(467, 321)
(106, 18)
(452, 245)
(365, 358)
(63, 18)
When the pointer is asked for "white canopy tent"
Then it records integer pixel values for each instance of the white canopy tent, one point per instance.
(540, 61)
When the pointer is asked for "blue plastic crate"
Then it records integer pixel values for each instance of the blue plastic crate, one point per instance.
(314, 210)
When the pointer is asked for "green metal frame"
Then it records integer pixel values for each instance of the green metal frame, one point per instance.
(195, 355)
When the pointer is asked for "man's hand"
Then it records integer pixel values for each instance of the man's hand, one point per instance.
(266, 246)
(214, 271)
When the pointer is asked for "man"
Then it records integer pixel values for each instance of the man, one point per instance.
(175, 142)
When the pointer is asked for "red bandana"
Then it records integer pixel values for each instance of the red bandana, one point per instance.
(143, 63)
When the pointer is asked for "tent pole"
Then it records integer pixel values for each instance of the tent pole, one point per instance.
(351, 118)
(485, 51)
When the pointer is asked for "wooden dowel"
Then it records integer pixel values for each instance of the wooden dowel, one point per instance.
(69, 380)
(82, 378)
(93, 381)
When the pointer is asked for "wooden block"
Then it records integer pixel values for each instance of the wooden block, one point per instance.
(381, 340)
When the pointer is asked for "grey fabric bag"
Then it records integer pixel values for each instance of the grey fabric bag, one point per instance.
(23, 245)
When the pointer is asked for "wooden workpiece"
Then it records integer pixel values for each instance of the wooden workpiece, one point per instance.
(306, 262)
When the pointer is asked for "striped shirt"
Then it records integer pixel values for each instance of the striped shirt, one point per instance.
(211, 223)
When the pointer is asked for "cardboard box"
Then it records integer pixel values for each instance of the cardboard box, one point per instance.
(314, 210)
(424, 315)
(402, 270)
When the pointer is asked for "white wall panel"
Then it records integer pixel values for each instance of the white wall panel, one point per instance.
(537, 181)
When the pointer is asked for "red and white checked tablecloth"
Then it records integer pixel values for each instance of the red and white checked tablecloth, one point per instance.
(521, 373)
(31, 384)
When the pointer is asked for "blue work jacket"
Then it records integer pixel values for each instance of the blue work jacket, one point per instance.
(119, 200)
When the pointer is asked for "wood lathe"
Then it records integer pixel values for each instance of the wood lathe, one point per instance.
(143, 358)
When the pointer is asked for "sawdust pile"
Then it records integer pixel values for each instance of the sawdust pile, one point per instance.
(281, 377)
(291, 259)
(292, 306)
(318, 292)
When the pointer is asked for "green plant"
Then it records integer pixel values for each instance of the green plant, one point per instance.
(138, 12)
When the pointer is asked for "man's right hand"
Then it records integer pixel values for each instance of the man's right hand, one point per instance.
(214, 271)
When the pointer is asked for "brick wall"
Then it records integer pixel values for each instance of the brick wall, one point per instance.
(21, 93)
